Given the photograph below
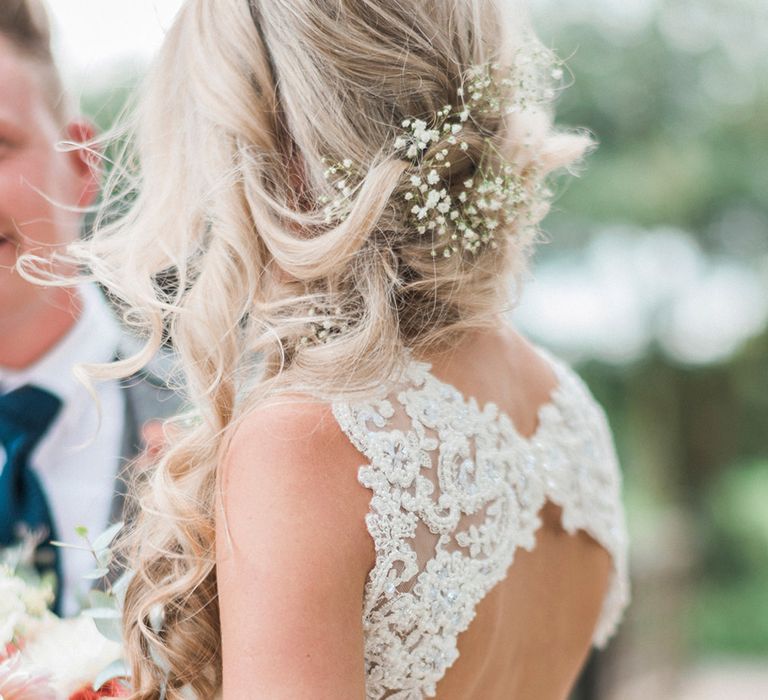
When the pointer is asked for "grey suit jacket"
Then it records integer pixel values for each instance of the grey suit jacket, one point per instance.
(147, 398)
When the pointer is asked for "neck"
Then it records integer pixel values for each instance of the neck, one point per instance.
(26, 339)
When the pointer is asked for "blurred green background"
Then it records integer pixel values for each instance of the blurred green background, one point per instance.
(653, 281)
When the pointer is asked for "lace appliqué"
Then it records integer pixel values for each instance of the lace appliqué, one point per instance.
(456, 490)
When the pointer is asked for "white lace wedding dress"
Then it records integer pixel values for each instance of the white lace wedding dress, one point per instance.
(456, 490)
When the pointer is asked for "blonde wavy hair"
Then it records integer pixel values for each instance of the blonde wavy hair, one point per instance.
(220, 245)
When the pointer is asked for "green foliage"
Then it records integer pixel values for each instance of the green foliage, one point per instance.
(729, 611)
(105, 606)
(675, 148)
(731, 619)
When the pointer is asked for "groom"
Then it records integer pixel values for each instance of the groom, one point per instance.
(60, 467)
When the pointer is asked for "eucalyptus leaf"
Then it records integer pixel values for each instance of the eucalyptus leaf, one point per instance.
(121, 586)
(111, 628)
(96, 574)
(108, 622)
(102, 600)
(123, 581)
(104, 557)
(102, 613)
(117, 669)
(105, 538)
(67, 545)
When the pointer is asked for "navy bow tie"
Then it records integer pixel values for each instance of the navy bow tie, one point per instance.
(25, 415)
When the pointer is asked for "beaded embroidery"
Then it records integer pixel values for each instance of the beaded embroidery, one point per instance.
(456, 490)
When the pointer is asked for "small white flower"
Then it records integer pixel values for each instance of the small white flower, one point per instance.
(347, 163)
(433, 178)
(432, 199)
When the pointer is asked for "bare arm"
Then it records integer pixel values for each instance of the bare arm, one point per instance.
(292, 567)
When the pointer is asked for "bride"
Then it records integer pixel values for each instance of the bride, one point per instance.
(381, 489)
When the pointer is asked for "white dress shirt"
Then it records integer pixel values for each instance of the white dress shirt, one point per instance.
(78, 458)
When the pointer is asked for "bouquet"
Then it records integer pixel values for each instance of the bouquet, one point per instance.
(44, 657)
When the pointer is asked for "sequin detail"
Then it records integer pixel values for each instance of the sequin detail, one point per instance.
(456, 490)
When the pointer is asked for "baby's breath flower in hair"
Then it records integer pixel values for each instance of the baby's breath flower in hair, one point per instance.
(341, 174)
(463, 215)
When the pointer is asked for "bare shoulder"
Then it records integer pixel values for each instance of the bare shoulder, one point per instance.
(292, 555)
(293, 452)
